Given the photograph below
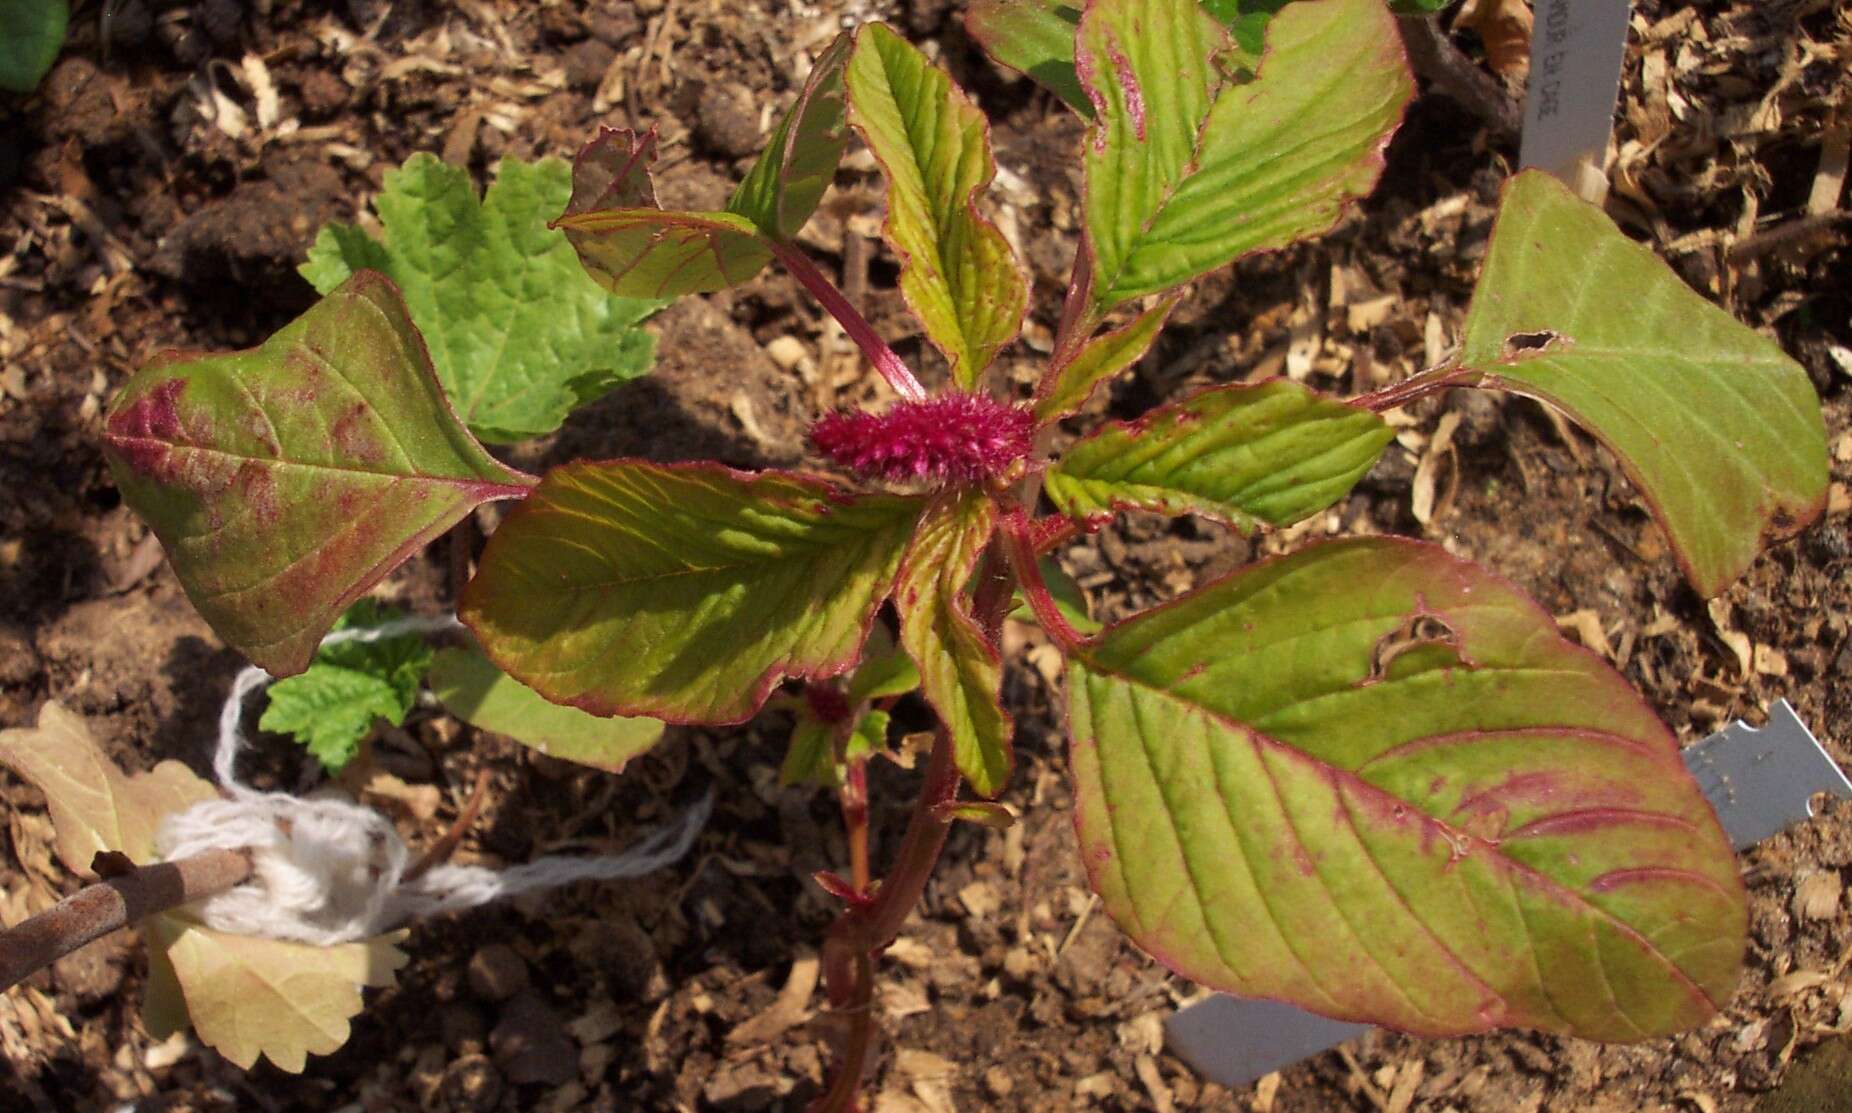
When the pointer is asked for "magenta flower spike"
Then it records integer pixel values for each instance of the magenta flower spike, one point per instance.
(953, 438)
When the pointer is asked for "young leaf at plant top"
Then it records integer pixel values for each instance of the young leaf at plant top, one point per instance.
(245, 997)
(1188, 170)
(1274, 453)
(635, 248)
(1068, 385)
(31, 31)
(1036, 39)
(683, 592)
(961, 673)
(331, 707)
(474, 690)
(1719, 429)
(957, 272)
(1373, 780)
(797, 166)
(519, 333)
(286, 480)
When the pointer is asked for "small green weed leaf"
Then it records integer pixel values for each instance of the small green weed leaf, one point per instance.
(1272, 453)
(1036, 39)
(798, 165)
(250, 997)
(1373, 780)
(682, 592)
(31, 31)
(286, 480)
(810, 756)
(519, 334)
(636, 249)
(1069, 599)
(94, 806)
(1072, 383)
(1188, 170)
(330, 708)
(484, 696)
(957, 271)
(886, 670)
(961, 675)
(869, 738)
(1719, 429)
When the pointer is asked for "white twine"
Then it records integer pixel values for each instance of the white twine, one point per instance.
(328, 870)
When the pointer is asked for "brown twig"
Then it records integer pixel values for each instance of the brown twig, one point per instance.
(1452, 74)
(441, 850)
(96, 910)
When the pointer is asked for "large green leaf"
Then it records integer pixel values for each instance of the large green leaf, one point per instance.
(960, 673)
(632, 246)
(795, 169)
(1069, 384)
(1372, 780)
(1274, 453)
(484, 696)
(31, 31)
(520, 335)
(682, 592)
(957, 270)
(1719, 429)
(1188, 170)
(286, 480)
(1036, 39)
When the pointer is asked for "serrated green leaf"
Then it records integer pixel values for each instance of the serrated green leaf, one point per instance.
(331, 707)
(797, 166)
(1036, 39)
(1272, 453)
(957, 271)
(886, 670)
(1373, 780)
(1719, 429)
(285, 481)
(683, 592)
(1188, 170)
(474, 690)
(960, 673)
(633, 247)
(519, 334)
(1070, 384)
(31, 31)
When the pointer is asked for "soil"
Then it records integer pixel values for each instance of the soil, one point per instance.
(162, 185)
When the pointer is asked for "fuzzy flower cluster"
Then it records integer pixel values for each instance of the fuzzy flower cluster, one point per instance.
(965, 438)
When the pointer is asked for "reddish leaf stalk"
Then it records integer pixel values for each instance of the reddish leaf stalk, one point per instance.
(1416, 386)
(1078, 317)
(886, 362)
(1017, 534)
(854, 795)
(96, 910)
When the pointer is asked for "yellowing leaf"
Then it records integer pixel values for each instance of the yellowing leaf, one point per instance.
(275, 998)
(93, 805)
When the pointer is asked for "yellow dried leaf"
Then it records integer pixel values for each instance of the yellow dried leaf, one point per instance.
(275, 998)
(93, 805)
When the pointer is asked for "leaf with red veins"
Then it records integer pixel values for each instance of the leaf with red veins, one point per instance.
(683, 592)
(285, 481)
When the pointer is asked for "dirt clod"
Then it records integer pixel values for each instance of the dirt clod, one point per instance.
(497, 973)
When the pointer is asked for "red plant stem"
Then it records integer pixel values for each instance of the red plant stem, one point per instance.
(1019, 543)
(1078, 316)
(1419, 385)
(96, 910)
(854, 796)
(886, 362)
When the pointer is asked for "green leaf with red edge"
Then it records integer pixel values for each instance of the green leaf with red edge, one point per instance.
(635, 248)
(1373, 780)
(1719, 429)
(797, 166)
(1068, 385)
(1188, 169)
(286, 480)
(957, 271)
(682, 592)
(1272, 453)
(474, 690)
(1036, 39)
(960, 673)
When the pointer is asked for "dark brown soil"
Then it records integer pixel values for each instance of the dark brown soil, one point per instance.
(136, 223)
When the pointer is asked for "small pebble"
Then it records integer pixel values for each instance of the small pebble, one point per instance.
(471, 1085)
(496, 973)
(997, 1083)
(786, 351)
(728, 120)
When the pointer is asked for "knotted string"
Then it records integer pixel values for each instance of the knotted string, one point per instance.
(326, 870)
